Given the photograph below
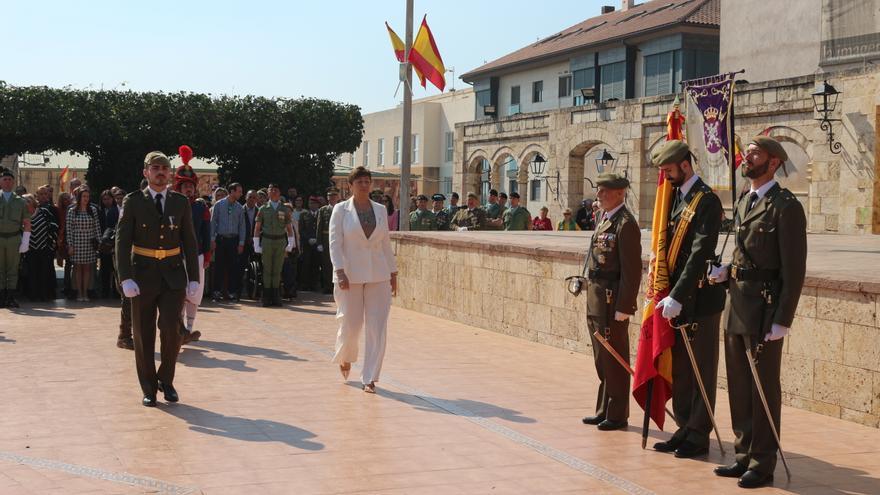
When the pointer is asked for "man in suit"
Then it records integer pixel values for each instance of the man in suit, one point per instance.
(308, 231)
(766, 278)
(156, 254)
(615, 271)
(251, 206)
(694, 223)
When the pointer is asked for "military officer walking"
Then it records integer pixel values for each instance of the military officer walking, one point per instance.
(422, 219)
(517, 217)
(324, 213)
(694, 223)
(470, 218)
(766, 277)
(614, 269)
(156, 254)
(273, 237)
(440, 214)
(15, 237)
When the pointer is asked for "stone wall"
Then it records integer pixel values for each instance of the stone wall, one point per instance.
(514, 284)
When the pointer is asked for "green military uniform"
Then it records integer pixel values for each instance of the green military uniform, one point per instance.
(517, 218)
(470, 219)
(145, 253)
(13, 213)
(442, 217)
(309, 256)
(766, 278)
(614, 269)
(273, 241)
(422, 220)
(323, 226)
(493, 212)
(701, 305)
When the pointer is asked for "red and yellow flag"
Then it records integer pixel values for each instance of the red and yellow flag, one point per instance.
(654, 355)
(400, 51)
(63, 177)
(426, 58)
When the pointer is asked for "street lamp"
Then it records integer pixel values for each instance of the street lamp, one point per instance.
(825, 101)
(606, 161)
(537, 167)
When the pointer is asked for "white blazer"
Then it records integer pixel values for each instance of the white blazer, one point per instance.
(364, 260)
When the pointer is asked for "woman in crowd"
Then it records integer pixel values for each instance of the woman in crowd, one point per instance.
(541, 222)
(364, 276)
(108, 218)
(567, 222)
(63, 260)
(40, 280)
(83, 234)
(393, 215)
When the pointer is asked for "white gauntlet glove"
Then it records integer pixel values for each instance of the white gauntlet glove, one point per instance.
(192, 289)
(257, 247)
(777, 331)
(313, 241)
(718, 274)
(289, 247)
(130, 288)
(618, 316)
(671, 308)
(25, 242)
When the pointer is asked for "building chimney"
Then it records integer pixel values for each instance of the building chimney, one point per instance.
(607, 9)
(627, 4)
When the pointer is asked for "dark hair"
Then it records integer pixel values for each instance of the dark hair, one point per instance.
(106, 192)
(389, 203)
(357, 173)
(233, 186)
(144, 184)
(79, 193)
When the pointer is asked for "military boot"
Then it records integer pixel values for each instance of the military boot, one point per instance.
(10, 299)
(267, 297)
(276, 297)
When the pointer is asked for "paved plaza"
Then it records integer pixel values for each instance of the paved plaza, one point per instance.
(263, 411)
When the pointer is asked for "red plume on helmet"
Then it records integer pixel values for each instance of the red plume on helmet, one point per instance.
(185, 173)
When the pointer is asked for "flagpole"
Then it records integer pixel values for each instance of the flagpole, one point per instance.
(403, 220)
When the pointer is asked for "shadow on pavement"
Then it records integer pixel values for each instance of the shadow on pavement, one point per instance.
(248, 430)
(5, 340)
(43, 312)
(199, 358)
(245, 350)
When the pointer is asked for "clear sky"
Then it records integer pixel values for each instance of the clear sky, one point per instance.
(337, 50)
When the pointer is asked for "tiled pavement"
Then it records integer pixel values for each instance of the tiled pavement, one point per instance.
(459, 410)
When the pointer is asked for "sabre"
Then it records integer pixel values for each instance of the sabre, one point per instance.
(617, 357)
(690, 351)
(748, 342)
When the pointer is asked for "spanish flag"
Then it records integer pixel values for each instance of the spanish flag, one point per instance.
(400, 51)
(426, 58)
(654, 355)
(63, 177)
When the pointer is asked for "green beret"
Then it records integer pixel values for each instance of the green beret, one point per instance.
(421, 197)
(612, 181)
(771, 146)
(470, 195)
(674, 151)
(5, 172)
(156, 157)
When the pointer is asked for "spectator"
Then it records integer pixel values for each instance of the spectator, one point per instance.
(517, 217)
(219, 194)
(311, 260)
(502, 202)
(43, 243)
(567, 223)
(228, 234)
(440, 214)
(471, 218)
(453, 204)
(493, 211)
(263, 197)
(62, 259)
(393, 215)
(541, 222)
(74, 184)
(597, 214)
(297, 208)
(291, 193)
(584, 217)
(109, 217)
(250, 216)
(83, 234)
(378, 196)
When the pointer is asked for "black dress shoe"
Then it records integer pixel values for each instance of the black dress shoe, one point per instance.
(593, 420)
(11, 302)
(754, 479)
(734, 470)
(688, 450)
(170, 393)
(609, 425)
(195, 336)
(149, 400)
(668, 446)
(125, 343)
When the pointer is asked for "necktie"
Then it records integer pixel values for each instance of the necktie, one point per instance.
(753, 198)
(159, 204)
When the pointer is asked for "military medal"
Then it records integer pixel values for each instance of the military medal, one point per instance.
(601, 259)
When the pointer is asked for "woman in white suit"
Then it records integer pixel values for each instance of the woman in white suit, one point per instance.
(364, 277)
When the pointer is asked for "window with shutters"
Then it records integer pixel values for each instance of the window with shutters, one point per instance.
(613, 81)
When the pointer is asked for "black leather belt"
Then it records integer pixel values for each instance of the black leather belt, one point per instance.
(602, 275)
(742, 274)
(276, 237)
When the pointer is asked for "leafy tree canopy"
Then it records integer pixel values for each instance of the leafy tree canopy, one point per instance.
(254, 140)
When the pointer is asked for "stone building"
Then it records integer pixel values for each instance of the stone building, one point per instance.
(839, 191)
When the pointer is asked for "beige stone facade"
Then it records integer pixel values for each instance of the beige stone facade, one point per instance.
(838, 190)
(514, 283)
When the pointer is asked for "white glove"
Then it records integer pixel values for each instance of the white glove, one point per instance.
(462, 229)
(192, 289)
(777, 331)
(313, 241)
(718, 274)
(618, 316)
(130, 288)
(671, 308)
(25, 242)
(289, 247)
(320, 248)
(257, 247)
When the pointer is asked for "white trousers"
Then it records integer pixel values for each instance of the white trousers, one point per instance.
(191, 303)
(363, 306)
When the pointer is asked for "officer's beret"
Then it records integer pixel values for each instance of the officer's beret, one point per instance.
(493, 192)
(5, 172)
(502, 194)
(332, 190)
(472, 195)
(455, 195)
(674, 151)
(612, 181)
(272, 185)
(514, 195)
(156, 157)
(771, 146)
(421, 197)
(438, 197)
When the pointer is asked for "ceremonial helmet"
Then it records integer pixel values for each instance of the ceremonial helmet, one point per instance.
(185, 172)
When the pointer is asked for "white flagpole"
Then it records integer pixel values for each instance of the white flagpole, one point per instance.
(406, 161)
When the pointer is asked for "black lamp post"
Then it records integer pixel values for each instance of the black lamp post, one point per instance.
(825, 101)
(606, 161)
(537, 167)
